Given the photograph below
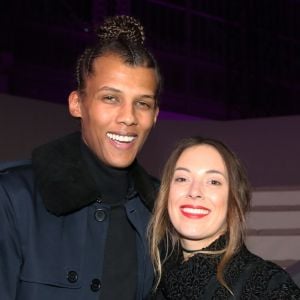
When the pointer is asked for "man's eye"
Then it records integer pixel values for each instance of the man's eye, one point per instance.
(143, 105)
(110, 98)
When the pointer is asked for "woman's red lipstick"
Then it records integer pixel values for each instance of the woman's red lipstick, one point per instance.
(194, 211)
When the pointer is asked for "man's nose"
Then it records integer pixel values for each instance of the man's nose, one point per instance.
(127, 115)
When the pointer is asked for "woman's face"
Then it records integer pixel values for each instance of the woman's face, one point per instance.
(198, 198)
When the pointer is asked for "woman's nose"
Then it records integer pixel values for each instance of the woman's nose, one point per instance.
(195, 190)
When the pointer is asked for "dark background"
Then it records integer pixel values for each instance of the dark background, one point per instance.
(221, 60)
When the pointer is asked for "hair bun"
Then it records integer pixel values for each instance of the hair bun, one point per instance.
(121, 27)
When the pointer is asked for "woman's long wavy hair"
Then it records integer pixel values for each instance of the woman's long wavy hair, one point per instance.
(162, 234)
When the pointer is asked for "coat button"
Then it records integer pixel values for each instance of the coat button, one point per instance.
(100, 215)
(72, 276)
(95, 285)
(99, 199)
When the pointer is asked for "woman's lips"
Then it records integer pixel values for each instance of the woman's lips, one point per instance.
(194, 212)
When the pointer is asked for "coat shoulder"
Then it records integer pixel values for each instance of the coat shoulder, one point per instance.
(263, 277)
(10, 166)
(16, 173)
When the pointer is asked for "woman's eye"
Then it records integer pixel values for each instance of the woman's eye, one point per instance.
(215, 182)
(179, 179)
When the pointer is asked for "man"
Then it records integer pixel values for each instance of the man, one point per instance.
(73, 219)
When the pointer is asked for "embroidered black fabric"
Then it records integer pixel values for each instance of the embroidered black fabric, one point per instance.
(249, 277)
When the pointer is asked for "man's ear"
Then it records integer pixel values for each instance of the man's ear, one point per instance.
(74, 104)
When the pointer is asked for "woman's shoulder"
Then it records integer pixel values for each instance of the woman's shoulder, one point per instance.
(258, 264)
(261, 276)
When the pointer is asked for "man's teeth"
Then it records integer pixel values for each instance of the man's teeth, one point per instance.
(121, 138)
(199, 211)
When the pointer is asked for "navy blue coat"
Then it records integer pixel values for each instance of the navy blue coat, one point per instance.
(51, 244)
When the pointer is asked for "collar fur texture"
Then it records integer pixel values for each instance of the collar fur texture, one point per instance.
(65, 183)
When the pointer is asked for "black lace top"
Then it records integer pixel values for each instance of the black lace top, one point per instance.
(248, 276)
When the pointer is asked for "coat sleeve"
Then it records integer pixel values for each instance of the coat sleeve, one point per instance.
(157, 295)
(10, 249)
(282, 287)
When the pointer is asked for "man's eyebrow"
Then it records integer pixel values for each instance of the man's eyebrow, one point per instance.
(152, 97)
(109, 88)
(112, 89)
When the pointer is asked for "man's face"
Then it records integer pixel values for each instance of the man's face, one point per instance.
(117, 110)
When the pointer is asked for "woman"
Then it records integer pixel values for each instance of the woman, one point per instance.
(197, 232)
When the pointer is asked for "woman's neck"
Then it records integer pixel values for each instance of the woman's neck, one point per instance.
(189, 249)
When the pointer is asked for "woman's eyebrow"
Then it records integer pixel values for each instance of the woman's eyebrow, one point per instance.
(182, 169)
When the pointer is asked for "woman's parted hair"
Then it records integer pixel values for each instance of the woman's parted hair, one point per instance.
(162, 234)
(122, 36)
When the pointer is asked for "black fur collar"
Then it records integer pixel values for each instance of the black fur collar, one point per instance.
(65, 183)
